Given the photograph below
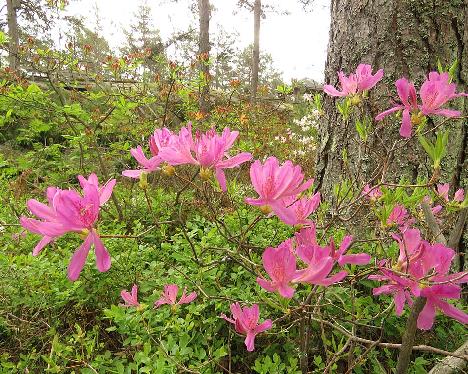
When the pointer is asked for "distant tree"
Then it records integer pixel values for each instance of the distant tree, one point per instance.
(256, 50)
(143, 37)
(268, 74)
(224, 52)
(29, 18)
(87, 45)
(204, 52)
(13, 33)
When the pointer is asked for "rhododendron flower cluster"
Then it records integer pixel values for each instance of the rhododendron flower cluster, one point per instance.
(280, 263)
(68, 211)
(435, 92)
(246, 323)
(208, 150)
(422, 270)
(169, 296)
(443, 192)
(356, 83)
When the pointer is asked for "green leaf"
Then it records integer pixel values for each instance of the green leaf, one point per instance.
(428, 147)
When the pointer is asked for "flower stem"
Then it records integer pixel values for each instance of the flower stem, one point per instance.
(407, 342)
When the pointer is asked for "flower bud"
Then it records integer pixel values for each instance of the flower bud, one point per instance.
(355, 100)
(265, 209)
(417, 118)
(143, 181)
(168, 170)
(205, 174)
(83, 234)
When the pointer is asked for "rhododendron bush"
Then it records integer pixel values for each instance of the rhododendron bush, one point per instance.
(211, 256)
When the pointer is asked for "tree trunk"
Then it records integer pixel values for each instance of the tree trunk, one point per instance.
(13, 34)
(256, 50)
(204, 53)
(405, 38)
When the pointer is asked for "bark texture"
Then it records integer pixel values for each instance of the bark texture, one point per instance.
(13, 33)
(405, 38)
(256, 50)
(204, 52)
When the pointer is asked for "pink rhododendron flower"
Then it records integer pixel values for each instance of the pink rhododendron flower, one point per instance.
(435, 92)
(319, 266)
(280, 264)
(399, 216)
(355, 83)
(297, 211)
(373, 193)
(273, 183)
(443, 191)
(170, 296)
(321, 260)
(245, 321)
(422, 270)
(131, 299)
(409, 104)
(208, 150)
(147, 165)
(68, 211)
(459, 195)
(160, 139)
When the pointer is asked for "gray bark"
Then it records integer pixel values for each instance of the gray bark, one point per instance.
(204, 52)
(452, 365)
(13, 34)
(256, 50)
(405, 38)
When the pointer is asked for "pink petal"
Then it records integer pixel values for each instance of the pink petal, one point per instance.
(286, 291)
(42, 243)
(264, 326)
(249, 341)
(400, 300)
(40, 210)
(103, 260)
(453, 312)
(335, 278)
(427, 316)
(187, 299)
(332, 91)
(133, 173)
(221, 177)
(265, 284)
(78, 259)
(235, 160)
(387, 112)
(355, 259)
(459, 195)
(405, 129)
(105, 192)
(450, 113)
